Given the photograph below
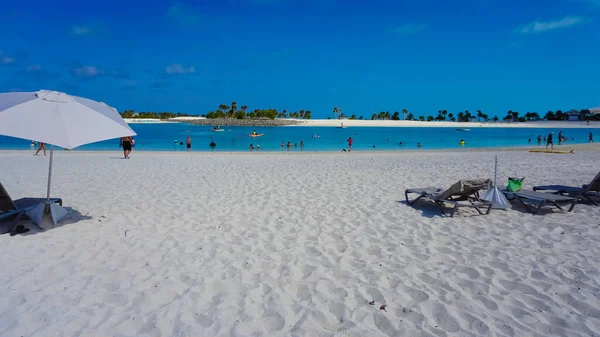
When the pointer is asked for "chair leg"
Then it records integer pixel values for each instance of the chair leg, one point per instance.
(489, 208)
(15, 222)
(573, 205)
(412, 202)
(454, 209)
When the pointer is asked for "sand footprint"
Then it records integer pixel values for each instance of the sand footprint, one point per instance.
(273, 321)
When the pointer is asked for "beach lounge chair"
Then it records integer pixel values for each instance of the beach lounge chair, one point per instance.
(13, 210)
(587, 192)
(539, 199)
(464, 193)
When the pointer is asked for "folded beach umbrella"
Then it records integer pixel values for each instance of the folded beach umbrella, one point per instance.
(494, 195)
(58, 119)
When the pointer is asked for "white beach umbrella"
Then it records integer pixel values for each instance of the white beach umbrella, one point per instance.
(58, 119)
(494, 195)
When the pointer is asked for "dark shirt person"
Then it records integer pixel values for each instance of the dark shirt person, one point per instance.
(550, 142)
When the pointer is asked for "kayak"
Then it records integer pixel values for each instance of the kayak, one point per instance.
(461, 129)
(217, 130)
(257, 135)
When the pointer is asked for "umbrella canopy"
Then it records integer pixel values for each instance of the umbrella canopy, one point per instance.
(59, 119)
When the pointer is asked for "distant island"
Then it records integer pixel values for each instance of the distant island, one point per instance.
(231, 115)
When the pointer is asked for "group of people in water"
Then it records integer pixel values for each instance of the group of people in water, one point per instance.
(289, 145)
(128, 143)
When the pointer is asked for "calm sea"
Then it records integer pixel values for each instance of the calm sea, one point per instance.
(168, 137)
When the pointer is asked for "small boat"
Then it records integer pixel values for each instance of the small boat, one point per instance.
(341, 127)
(217, 130)
(462, 129)
(256, 135)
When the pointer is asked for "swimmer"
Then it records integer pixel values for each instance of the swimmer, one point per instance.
(251, 147)
(419, 145)
(400, 144)
(212, 144)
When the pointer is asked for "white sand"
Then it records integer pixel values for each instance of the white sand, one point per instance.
(402, 123)
(264, 244)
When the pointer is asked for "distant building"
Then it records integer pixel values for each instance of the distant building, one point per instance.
(573, 115)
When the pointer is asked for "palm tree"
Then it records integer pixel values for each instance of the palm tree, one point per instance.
(444, 113)
(341, 115)
(233, 108)
(301, 113)
(404, 112)
(387, 115)
(223, 107)
(450, 115)
(479, 115)
(335, 111)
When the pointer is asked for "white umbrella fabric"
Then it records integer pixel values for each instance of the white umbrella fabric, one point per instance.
(494, 195)
(58, 119)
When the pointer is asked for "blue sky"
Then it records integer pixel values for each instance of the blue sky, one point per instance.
(489, 55)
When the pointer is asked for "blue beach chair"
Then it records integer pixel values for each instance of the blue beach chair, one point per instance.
(13, 210)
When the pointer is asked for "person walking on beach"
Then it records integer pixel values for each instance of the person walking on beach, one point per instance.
(591, 138)
(188, 143)
(350, 141)
(42, 147)
(549, 142)
(126, 146)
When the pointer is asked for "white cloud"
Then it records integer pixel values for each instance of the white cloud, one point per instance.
(407, 29)
(544, 26)
(5, 59)
(87, 72)
(33, 68)
(80, 30)
(178, 69)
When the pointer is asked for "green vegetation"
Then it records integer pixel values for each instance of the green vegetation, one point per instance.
(225, 111)
(159, 115)
(232, 111)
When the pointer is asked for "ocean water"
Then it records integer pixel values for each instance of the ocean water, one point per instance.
(167, 137)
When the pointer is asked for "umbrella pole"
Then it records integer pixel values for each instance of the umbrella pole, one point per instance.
(495, 169)
(49, 179)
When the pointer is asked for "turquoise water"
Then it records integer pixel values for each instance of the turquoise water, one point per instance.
(161, 137)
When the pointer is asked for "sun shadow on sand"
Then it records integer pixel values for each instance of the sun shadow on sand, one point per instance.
(73, 216)
(431, 210)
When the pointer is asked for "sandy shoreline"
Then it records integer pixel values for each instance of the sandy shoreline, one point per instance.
(391, 123)
(574, 147)
(243, 245)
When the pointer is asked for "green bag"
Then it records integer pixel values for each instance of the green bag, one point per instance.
(514, 184)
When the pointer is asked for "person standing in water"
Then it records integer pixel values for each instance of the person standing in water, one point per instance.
(188, 143)
(42, 147)
(590, 138)
(550, 142)
(350, 141)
